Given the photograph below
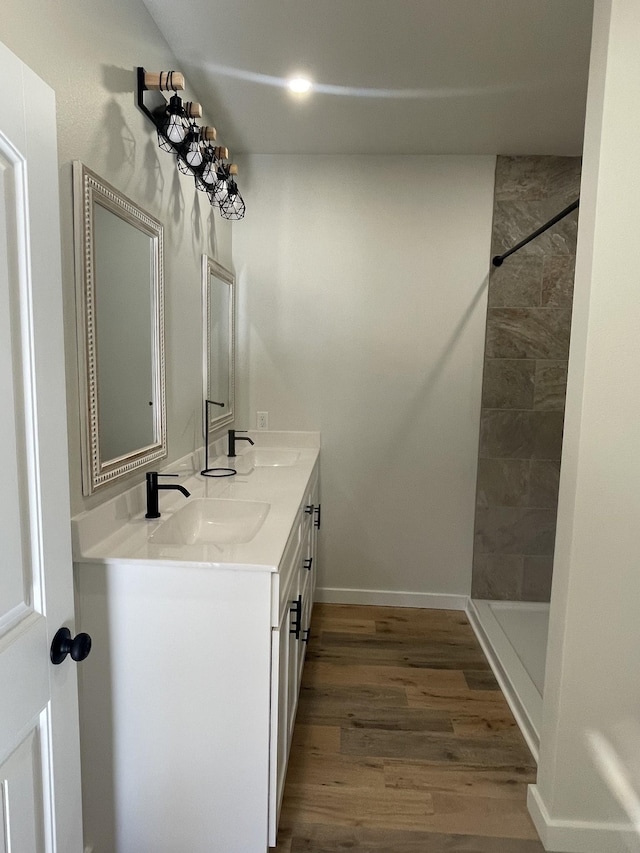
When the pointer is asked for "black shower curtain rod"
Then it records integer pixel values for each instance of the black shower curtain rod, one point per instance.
(498, 259)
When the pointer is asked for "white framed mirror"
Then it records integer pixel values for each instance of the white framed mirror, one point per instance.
(120, 321)
(218, 314)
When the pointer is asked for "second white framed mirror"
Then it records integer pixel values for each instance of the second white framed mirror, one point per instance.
(218, 312)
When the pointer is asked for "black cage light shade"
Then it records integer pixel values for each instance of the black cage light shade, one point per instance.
(233, 206)
(174, 126)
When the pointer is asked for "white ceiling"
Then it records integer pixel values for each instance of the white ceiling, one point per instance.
(395, 76)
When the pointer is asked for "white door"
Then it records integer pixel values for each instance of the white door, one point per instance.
(39, 750)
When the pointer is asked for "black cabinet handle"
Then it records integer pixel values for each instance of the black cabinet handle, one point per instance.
(309, 509)
(317, 518)
(307, 635)
(62, 645)
(296, 609)
(308, 563)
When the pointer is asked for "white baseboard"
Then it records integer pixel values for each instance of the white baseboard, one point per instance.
(576, 836)
(391, 598)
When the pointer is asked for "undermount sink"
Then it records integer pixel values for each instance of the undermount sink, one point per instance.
(218, 520)
(268, 457)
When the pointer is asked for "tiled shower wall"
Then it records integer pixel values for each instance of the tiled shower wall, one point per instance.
(525, 370)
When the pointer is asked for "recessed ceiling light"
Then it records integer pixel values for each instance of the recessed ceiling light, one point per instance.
(299, 85)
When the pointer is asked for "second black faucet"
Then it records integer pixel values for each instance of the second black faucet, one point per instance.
(233, 437)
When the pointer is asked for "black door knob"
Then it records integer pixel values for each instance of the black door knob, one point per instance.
(63, 644)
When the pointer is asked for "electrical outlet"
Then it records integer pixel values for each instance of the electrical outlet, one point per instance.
(262, 420)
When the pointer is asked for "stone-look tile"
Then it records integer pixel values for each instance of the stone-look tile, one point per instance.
(529, 319)
(517, 283)
(536, 579)
(557, 281)
(538, 177)
(528, 333)
(544, 479)
(520, 435)
(513, 221)
(508, 383)
(497, 576)
(550, 386)
(515, 530)
(503, 482)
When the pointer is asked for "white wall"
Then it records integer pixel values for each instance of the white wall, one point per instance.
(592, 664)
(87, 52)
(362, 314)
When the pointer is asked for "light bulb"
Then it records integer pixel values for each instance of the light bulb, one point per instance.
(174, 128)
(194, 154)
(209, 175)
(220, 192)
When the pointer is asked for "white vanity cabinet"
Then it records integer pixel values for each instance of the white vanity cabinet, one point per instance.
(290, 637)
(188, 699)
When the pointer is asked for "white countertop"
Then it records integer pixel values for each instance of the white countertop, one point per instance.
(117, 530)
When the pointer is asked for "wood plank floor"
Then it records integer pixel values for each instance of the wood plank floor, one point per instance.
(403, 741)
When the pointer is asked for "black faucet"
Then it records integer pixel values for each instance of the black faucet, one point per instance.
(153, 487)
(233, 438)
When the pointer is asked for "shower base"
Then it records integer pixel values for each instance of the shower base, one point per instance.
(513, 635)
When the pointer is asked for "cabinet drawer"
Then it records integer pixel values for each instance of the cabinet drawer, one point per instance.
(286, 577)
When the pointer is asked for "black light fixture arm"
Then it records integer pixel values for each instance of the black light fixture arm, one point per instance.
(141, 88)
(167, 81)
(498, 259)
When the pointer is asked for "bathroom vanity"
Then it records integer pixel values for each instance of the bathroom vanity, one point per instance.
(199, 622)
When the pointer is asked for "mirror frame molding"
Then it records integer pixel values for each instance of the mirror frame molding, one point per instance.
(90, 189)
(213, 268)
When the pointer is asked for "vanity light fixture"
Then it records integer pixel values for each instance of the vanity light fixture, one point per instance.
(178, 133)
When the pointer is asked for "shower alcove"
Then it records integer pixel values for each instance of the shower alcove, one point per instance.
(523, 393)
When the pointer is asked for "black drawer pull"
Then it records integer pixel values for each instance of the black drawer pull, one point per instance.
(307, 635)
(309, 509)
(296, 609)
(317, 518)
(308, 563)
